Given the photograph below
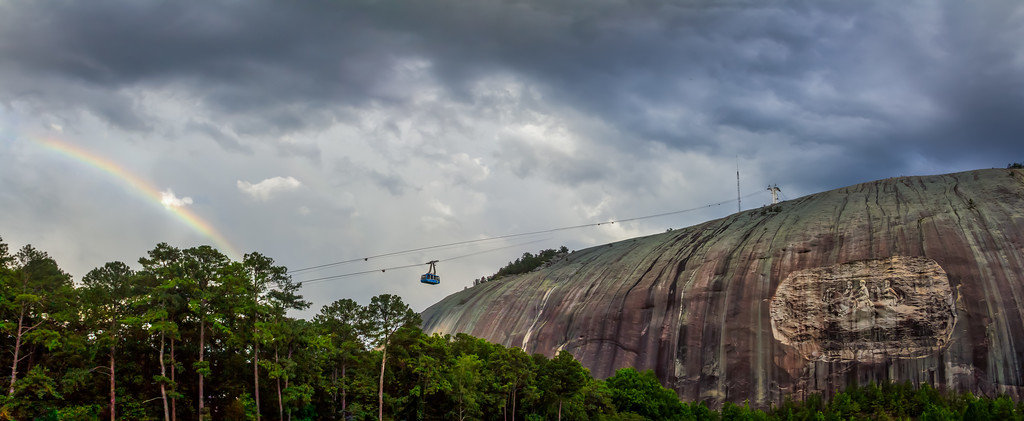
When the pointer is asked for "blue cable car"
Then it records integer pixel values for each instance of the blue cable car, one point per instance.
(431, 277)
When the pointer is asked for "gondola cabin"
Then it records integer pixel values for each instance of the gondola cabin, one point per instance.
(431, 276)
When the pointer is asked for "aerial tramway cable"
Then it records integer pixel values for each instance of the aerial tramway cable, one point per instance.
(458, 243)
(345, 275)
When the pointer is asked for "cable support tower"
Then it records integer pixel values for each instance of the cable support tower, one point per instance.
(775, 193)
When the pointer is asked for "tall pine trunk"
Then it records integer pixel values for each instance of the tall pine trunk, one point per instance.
(334, 394)
(163, 374)
(17, 349)
(280, 400)
(174, 370)
(113, 389)
(462, 409)
(344, 407)
(286, 381)
(380, 387)
(256, 375)
(513, 403)
(202, 346)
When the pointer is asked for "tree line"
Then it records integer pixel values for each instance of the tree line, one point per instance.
(529, 262)
(193, 335)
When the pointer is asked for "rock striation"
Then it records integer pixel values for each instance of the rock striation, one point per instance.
(912, 278)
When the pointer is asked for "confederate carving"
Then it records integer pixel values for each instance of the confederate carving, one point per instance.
(868, 311)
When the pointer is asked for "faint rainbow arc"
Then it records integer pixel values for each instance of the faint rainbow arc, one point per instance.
(142, 186)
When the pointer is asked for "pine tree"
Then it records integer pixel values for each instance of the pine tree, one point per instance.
(383, 317)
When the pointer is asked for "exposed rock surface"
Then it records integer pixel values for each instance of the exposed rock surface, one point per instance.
(915, 278)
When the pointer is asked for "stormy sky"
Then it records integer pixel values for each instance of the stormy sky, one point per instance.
(323, 131)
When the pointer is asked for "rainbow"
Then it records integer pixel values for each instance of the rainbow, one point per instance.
(148, 190)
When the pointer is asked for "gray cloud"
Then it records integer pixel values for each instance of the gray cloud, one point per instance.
(526, 159)
(644, 67)
(226, 140)
(352, 172)
(432, 121)
(238, 58)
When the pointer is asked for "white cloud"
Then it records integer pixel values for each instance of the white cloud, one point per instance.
(169, 200)
(441, 208)
(266, 188)
(464, 169)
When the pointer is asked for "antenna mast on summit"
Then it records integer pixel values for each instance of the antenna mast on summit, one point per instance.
(739, 200)
(775, 193)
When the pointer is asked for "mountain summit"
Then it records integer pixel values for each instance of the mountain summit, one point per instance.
(916, 279)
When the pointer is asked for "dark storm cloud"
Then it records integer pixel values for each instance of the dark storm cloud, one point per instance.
(980, 84)
(886, 83)
(912, 81)
(236, 57)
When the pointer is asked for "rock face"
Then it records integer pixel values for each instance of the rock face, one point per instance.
(915, 278)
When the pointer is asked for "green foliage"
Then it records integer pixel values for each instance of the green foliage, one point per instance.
(79, 413)
(1015, 165)
(5, 258)
(770, 209)
(35, 396)
(561, 379)
(640, 393)
(243, 408)
(733, 412)
(530, 262)
(466, 379)
(934, 412)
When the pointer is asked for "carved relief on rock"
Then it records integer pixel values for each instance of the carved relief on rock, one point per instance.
(867, 311)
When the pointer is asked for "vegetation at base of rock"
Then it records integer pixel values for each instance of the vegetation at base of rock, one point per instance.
(770, 209)
(1015, 165)
(134, 338)
(530, 262)
(888, 401)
